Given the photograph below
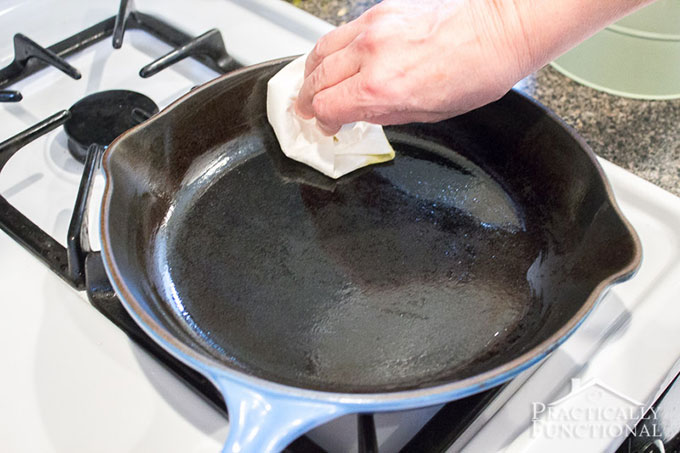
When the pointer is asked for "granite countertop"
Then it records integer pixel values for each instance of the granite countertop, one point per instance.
(640, 136)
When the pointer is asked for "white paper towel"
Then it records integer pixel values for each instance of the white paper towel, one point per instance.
(354, 146)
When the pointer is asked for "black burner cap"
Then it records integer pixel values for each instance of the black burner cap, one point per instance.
(101, 117)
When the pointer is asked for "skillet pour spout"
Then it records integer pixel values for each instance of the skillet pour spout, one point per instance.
(445, 272)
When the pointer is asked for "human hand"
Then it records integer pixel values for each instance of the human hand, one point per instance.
(427, 60)
(405, 61)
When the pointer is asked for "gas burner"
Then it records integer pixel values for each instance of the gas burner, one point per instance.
(101, 117)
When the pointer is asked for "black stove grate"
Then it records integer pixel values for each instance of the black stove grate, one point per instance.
(30, 57)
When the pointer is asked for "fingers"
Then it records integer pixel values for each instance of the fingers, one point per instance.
(332, 70)
(409, 117)
(338, 105)
(342, 104)
(330, 43)
(328, 130)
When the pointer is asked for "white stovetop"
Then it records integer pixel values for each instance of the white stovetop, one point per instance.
(73, 382)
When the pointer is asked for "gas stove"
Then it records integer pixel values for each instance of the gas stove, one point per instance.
(79, 377)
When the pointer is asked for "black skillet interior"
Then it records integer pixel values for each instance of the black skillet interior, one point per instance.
(483, 237)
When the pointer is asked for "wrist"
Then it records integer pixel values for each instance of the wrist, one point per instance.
(507, 32)
(548, 28)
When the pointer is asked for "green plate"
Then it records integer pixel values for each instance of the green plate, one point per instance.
(638, 57)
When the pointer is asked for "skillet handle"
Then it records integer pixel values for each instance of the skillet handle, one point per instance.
(263, 421)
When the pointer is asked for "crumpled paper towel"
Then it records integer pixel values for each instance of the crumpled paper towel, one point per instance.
(354, 146)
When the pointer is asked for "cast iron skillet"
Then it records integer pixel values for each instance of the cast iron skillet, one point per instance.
(473, 254)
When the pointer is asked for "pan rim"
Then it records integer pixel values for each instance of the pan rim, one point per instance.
(388, 400)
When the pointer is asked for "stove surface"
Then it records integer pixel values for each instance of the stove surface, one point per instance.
(75, 382)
